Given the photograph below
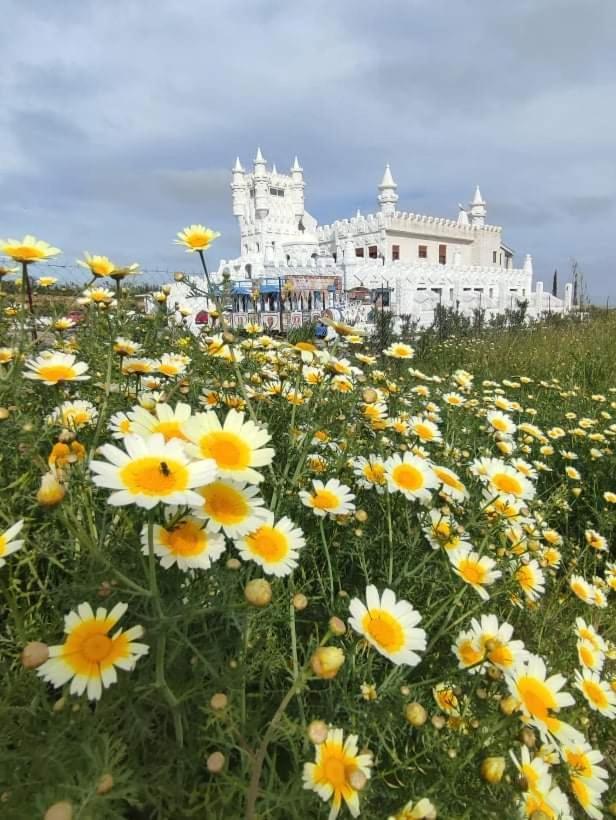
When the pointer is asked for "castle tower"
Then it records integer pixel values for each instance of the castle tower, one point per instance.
(387, 193)
(478, 209)
(239, 189)
(297, 188)
(261, 186)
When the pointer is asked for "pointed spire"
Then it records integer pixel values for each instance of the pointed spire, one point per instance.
(388, 180)
(274, 169)
(296, 166)
(358, 214)
(478, 199)
(259, 157)
(237, 168)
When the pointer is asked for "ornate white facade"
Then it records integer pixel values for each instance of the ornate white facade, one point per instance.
(409, 262)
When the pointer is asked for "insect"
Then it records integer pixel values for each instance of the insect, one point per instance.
(164, 468)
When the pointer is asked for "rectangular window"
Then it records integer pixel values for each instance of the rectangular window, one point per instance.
(442, 254)
(491, 293)
(422, 252)
(395, 253)
(451, 294)
(359, 252)
(372, 251)
(494, 257)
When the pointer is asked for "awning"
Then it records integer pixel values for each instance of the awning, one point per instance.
(239, 290)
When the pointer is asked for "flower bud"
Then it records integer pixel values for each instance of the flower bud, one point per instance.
(528, 738)
(492, 769)
(105, 784)
(357, 779)
(508, 705)
(51, 492)
(59, 705)
(34, 654)
(299, 601)
(234, 563)
(369, 395)
(415, 714)
(59, 811)
(4, 413)
(318, 731)
(178, 276)
(423, 810)
(438, 721)
(219, 701)
(215, 762)
(337, 625)
(258, 592)
(361, 516)
(326, 661)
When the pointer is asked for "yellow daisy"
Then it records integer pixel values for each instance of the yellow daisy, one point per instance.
(474, 569)
(196, 238)
(188, 543)
(410, 475)
(332, 498)
(337, 766)
(599, 694)
(237, 446)
(89, 656)
(538, 695)
(234, 507)
(74, 414)
(97, 265)
(389, 625)
(29, 249)
(51, 368)
(273, 546)
(165, 419)
(150, 471)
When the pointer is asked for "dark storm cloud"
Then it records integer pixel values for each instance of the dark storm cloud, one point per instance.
(120, 120)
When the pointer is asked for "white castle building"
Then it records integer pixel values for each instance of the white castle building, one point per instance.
(401, 260)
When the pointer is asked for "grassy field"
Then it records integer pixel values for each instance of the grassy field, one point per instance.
(349, 579)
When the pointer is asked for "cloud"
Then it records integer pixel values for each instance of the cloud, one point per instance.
(120, 120)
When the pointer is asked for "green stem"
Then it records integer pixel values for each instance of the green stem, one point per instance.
(161, 639)
(328, 559)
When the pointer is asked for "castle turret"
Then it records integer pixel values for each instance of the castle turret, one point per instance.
(478, 209)
(239, 189)
(387, 193)
(261, 186)
(297, 188)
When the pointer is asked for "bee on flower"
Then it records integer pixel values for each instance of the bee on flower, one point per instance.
(332, 498)
(188, 543)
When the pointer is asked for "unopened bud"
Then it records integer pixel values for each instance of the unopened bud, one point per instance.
(178, 276)
(105, 784)
(318, 731)
(361, 516)
(492, 769)
(59, 811)
(228, 337)
(326, 661)
(357, 779)
(369, 395)
(337, 625)
(258, 592)
(415, 714)
(508, 705)
(438, 721)
(4, 413)
(51, 492)
(59, 705)
(34, 654)
(215, 762)
(234, 563)
(528, 737)
(219, 701)
(299, 601)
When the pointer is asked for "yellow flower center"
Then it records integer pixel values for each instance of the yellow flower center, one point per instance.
(306, 346)
(594, 693)
(501, 655)
(3, 543)
(169, 429)
(56, 372)
(472, 571)
(536, 697)
(507, 484)
(188, 538)
(375, 473)
(525, 577)
(88, 646)
(101, 268)
(76, 417)
(229, 451)
(469, 653)
(408, 477)
(154, 476)
(168, 369)
(424, 432)
(224, 504)
(581, 791)
(579, 762)
(587, 656)
(384, 629)
(125, 426)
(197, 239)
(25, 253)
(499, 424)
(268, 543)
(325, 500)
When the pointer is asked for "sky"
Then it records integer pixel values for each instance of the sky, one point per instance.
(120, 120)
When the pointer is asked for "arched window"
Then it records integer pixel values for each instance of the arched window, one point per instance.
(288, 259)
(248, 270)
